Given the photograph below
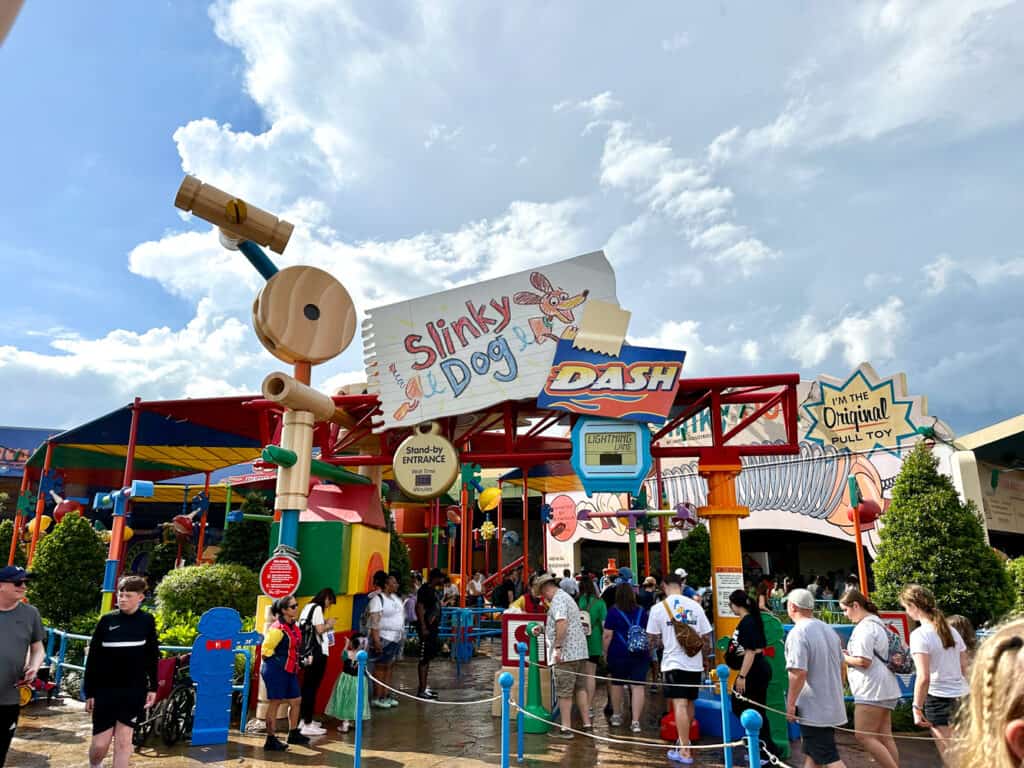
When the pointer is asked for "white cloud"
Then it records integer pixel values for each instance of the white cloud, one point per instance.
(859, 336)
(898, 64)
(598, 105)
(676, 42)
(682, 191)
(439, 133)
(945, 272)
(701, 357)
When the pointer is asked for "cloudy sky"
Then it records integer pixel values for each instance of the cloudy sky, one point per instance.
(780, 187)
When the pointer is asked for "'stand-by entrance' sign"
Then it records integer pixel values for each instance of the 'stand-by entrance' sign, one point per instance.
(465, 349)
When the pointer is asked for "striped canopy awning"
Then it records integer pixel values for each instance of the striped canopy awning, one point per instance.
(174, 438)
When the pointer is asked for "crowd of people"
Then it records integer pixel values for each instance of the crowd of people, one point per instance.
(606, 632)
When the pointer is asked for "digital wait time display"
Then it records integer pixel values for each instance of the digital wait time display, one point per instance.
(610, 449)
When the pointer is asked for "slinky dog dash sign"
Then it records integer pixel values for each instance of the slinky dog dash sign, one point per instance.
(425, 464)
(477, 345)
(639, 384)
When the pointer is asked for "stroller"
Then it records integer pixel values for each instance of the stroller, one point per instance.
(171, 714)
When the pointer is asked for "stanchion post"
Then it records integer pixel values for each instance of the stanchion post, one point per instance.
(51, 636)
(723, 695)
(62, 651)
(360, 693)
(505, 681)
(751, 721)
(520, 734)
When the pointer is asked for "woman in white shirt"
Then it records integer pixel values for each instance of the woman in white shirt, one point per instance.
(313, 616)
(940, 658)
(387, 627)
(874, 687)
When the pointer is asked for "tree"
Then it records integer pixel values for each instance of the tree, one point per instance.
(68, 567)
(398, 558)
(247, 542)
(694, 554)
(1015, 568)
(930, 537)
(162, 559)
(6, 531)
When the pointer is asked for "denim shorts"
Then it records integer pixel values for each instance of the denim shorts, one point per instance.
(388, 653)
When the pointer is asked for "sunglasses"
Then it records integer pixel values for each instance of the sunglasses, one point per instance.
(292, 607)
(18, 583)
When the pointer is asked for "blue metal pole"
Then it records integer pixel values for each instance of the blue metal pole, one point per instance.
(288, 532)
(751, 721)
(50, 636)
(505, 681)
(520, 734)
(61, 653)
(110, 569)
(360, 692)
(723, 695)
(258, 258)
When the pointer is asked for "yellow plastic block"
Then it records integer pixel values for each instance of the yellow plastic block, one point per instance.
(368, 552)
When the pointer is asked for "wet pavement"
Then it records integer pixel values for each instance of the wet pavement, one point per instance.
(412, 734)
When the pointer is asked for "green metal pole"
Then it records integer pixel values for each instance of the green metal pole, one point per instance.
(534, 704)
(227, 504)
(632, 545)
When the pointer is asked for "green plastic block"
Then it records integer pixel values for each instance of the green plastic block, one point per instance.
(323, 555)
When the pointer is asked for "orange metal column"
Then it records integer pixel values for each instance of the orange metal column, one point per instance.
(18, 517)
(723, 515)
(40, 504)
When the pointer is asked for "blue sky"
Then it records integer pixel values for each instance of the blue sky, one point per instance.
(779, 189)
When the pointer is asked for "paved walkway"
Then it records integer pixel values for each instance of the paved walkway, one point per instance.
(413, 734)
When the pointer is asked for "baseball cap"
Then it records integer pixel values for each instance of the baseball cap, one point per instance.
(681, 573)
(12, 573)
(625, 575)
(801, 598)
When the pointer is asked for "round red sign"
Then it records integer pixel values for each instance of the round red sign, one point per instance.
(280, 576)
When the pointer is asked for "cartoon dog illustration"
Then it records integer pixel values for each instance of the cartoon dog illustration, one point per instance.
(555, 304)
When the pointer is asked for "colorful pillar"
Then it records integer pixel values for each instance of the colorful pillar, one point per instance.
(23, 505)
(723, 515)
(526, 528)
(202, 522)
(659, 489)
(862, 569)
(119, 501)
(500, 531)
(293, 481)
(40, 503)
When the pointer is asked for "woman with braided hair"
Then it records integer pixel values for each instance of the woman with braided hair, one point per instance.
(990, 728)
(940, 659)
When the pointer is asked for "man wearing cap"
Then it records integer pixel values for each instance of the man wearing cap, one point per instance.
(688, 591)
(567, 653)
(814, 660)
(21, 649)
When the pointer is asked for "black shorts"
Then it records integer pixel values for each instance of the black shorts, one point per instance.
(430, 646)
(117, 706)
(680, 684)
(819, 743)
(939, 710)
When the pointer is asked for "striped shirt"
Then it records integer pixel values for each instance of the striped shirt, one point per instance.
(123, 653)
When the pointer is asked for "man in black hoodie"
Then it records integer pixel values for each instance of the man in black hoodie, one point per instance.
(120, 673)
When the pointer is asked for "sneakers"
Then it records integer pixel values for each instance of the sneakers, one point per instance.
(380, 704)
(427, 693)
(295, 737)
(273, 744)
(344, 727)
(562, 733)
(678, 757)
(392, 701)
(616, 720)
(634, 727)
(312, 729)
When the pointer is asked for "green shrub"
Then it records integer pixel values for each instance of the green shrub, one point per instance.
(399, 561)
(930, 537)
(68, 569)
(6, 532)
(247, 542)
(162, 558)
(694, 554)
(1015, 570)
(197, 588)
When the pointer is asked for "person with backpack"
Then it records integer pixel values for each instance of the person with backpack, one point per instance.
(317, 639)
(386, 624)
(872, 683)
(745, 654)
(628, 651)
(682, 628)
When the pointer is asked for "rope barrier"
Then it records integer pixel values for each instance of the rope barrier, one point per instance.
(772, 759)
(741, 697)
(626, 742)
(560, 671)
(429, 701)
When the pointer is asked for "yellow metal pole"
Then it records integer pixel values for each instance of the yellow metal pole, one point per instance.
(723, 515)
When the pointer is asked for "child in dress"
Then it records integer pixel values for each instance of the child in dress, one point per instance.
(342, 705)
